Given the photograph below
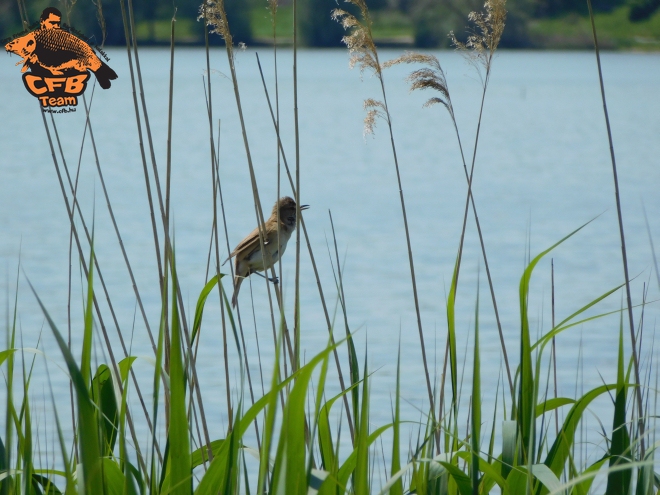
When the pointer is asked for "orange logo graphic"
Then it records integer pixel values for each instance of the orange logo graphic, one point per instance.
(58, 61)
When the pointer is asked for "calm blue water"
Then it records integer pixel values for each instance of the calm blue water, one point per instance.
(542, 170)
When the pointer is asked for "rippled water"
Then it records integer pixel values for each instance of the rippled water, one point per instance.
(542, 169)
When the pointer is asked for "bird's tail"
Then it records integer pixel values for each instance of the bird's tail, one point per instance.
(237, 285)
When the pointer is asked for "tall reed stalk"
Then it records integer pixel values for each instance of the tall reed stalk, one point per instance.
(364, 54)
(624, 256)
(351, 348)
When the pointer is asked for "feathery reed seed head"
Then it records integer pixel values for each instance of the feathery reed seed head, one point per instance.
(374, 109)
(482, 42)
(359, 41)
(430, 77)
(213, 13)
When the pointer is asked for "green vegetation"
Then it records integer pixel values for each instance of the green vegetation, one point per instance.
(452, 454)
(615, 31)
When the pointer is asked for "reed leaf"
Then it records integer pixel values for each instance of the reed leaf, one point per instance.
(461, 479)
(475, 422)
(361, 473)
(103, 395)
(90, 454)
(397, 487)
(199, 309)
(618, 482)
(85, 360)
(491, 471)
(177, 434)
(559, 452)
(527, 391)
(292, 447)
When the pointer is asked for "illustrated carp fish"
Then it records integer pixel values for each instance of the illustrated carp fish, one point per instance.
(57, 50)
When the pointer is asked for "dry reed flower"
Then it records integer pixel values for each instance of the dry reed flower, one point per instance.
(212, 12)
(272, 6)
(430, 77)
(374, 109)
(359, 41)
(480, 46)
(362, 50)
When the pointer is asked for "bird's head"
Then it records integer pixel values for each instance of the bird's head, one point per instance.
(288, 211)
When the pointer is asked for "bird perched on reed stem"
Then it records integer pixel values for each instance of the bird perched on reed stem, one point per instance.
(249, 258)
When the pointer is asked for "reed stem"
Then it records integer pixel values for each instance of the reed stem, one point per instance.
(624, 257)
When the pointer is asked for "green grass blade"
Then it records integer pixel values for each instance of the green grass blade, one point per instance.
(103, 394)
(361, 473)
(269, 423)
(293, 433)
(397, 487)
(199, 309)
(492, 472)
(560, 449)
(476, 405)
(562, 325)
(315, 476)
(86, 358)
(461, 479)
(4, 355)
(199, 456)
(158, 372)
(43, 484)
(114, 478)
(70, 488)
(552, 404)
(125, 366)
(542, 473)
(90, 456)
(329, 454)
(618, 482)
(351, 461)
(527, 391)
(4, 484)
(584, 486)
(25, 442)
(509, 440)
(451, 329)
(177, 435)
(131, 474)
(215, 474)
(645, 476)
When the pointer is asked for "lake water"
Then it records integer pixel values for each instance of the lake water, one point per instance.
(542, 169)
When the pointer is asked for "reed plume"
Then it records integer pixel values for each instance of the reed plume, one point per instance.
(213, 13)
(364, 54)
(431, 77)
(478, 50)
(482, 42)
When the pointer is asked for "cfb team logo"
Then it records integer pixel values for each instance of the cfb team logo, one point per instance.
(58, 61)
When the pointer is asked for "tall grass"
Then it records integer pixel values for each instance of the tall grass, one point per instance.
(298, 448)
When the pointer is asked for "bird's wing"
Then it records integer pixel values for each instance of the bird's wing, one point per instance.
(248, 245)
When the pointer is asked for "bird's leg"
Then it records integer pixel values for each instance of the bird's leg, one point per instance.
(275, 280)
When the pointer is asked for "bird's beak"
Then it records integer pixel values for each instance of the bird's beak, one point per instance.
(304, 207)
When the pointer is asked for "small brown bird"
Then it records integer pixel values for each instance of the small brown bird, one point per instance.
(249, 258)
